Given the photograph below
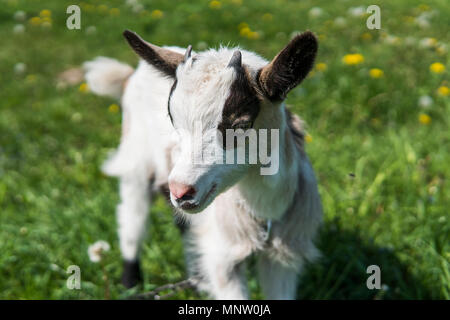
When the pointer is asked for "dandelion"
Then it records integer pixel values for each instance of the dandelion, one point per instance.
(267, 17)
(428, 42)
(424, 7)
(321, 66)
(31, 78)
(253, 35)
(95, 251)
(46, 22)
(157, 14)
(444, 91)
(215, 4)
(83, 88)
(242, 25)
(353, 59)
(366, 36)
(437, 67)
(20, 16)
(45, 13)
(114, 11)
(102, 8)
(424, 119)
(308, 138)
(245, 31)
(19, 29)
(425, 102)
(113, 108)
(35, 21)
(441, 49)
(376, 73)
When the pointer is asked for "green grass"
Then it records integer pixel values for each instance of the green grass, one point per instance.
(55, 202)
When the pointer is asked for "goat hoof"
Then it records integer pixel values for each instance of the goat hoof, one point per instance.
(131, 275)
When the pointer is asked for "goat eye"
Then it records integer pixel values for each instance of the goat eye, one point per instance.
(244, 125)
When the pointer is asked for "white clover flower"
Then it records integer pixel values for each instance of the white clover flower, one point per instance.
(315, 12)
(20, 15)
(340, 22)
(357, 11)
(20, 68)
(19, 28)
(425, 101)
(91, 30)
(131, 2)
(96, 250)
(136, 8)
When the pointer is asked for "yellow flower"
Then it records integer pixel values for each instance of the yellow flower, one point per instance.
(35, 21)
(215, 4)
(31, 78)
(114, 11)
(424, 119)
(366, 36)
(424, 7)
(321, 66)
(157, 14)
(242, 25)
(245, 31)
(253, 35)
(267, 17)
(353, 59)
(83, 87)
(114, 108)
(376, 73)
(437, 67)
(444, 91)
(308, 138)
(45, 13)
(102, 8)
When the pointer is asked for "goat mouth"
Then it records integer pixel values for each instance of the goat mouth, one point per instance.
(193, 206)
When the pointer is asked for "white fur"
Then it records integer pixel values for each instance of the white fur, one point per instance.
(230, 225)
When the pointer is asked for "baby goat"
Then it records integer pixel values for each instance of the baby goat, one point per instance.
(176, 97)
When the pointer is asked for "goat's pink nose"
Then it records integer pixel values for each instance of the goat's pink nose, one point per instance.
(180, 190)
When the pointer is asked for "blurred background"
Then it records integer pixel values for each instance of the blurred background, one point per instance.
(377, 108)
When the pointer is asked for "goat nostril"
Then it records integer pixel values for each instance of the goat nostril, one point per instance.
(182, 192)
(189, 195)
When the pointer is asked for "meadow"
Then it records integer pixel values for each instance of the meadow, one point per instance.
(377, 108)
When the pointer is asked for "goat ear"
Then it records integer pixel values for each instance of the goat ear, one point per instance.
(289, 67)
(162, 59)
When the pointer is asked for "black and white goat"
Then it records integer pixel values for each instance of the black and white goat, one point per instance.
(241, 211)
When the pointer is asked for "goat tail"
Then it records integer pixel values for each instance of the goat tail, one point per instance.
(106, 76)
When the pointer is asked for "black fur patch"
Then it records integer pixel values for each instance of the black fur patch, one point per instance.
(131, 275)
(242, 105)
